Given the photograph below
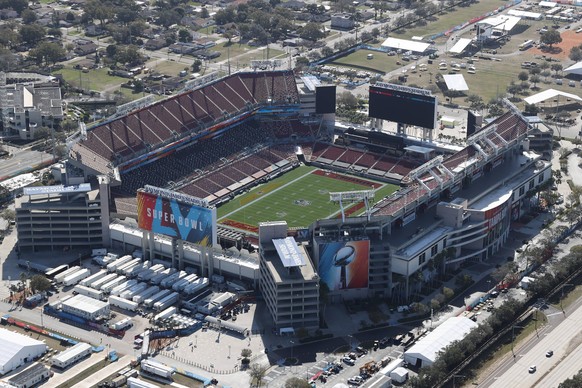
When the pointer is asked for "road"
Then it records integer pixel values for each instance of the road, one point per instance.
(563, 335)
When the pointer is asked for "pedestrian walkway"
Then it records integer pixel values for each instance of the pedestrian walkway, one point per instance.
(109, 370)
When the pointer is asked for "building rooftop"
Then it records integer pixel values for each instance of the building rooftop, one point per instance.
(46, 99)
(287, 274)
(26, 375)
(85, 303)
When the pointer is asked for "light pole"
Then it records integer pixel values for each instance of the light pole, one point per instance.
(292, 345)
(228, 351)
(562, 297)
(196, 341)
(513, 337)
(455, 379)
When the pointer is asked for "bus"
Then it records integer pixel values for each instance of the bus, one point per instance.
(526, 45)
(50, 274)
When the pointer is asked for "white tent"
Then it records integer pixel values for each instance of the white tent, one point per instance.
(406, 45)
(460, 46)
(456, 82)
(549, 94)
(18, 349)
(501, 22)
(425, 351)
(574, 69)
(547, 4)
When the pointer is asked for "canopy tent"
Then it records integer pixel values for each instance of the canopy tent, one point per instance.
(525, 14)
(406, 45)
(574, 69)
(426, 350)
(460, 46)
(549, 94)
(501, 22)
(456, 82)
(547, 4)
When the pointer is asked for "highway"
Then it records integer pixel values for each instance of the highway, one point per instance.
(562, 335)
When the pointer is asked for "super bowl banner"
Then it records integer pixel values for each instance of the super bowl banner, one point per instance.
(172, 218)
(344, 265)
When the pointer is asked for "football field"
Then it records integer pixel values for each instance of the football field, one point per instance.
(299, 197)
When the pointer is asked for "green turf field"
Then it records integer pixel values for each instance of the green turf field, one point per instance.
(298, 197)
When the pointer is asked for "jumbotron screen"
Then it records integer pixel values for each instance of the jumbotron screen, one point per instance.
(403, 104)
(325, 99)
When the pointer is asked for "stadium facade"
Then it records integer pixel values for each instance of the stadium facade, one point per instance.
(219, 140)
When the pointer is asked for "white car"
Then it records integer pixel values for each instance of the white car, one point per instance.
(532, 369)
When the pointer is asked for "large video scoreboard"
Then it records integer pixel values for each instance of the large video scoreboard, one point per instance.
(403, 104)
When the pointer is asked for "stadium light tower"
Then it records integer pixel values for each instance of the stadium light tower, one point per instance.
(344, 197)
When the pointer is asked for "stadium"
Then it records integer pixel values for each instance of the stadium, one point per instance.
(259, 146)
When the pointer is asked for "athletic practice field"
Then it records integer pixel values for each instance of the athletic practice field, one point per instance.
(299, 197)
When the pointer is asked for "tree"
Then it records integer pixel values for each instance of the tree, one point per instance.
(572, 382)
(9, 215)
(39, 283)
(196, 66)
(32, 34)
(47, 53)
(204, 14)
(347, 100)
(551, 37)
(475, 102)
(513, 88)
(576, 54)
(448, 293)
(523, 76)
(326, 51)
(17, 5)
(184, 36)
(296, 382)
(246, 353)
(535, 79)
(557, 67)
(257, 373)
(28, 16)
(312, 31)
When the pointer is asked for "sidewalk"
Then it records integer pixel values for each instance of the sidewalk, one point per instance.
(109, 370)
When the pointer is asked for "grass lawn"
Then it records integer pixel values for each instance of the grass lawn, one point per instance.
(258, 55)
(277, 200)
(381, 62)
(571, 295)
(450, 19)
(97, 79)
(84, 374)
(170, 68)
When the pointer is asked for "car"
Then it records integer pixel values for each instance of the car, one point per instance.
(549, 353)
(349, 361)
(532, 369)
(356, 380)
(554, 188)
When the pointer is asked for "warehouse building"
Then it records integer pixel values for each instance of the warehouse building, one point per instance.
(17, 350)
(86, 307)
(30, 377)
(70, 356)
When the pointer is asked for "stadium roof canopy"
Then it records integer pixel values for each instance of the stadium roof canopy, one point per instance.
(426, 350)
(574, 69)
(501, 22)
(460, 46)
(406, 45)
(456, 82)
(548, 94)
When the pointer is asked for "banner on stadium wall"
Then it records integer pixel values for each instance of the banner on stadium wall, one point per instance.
(176, 219)
(344, 264)
(407, 219)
